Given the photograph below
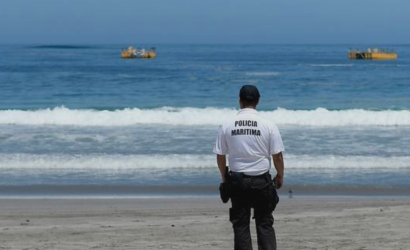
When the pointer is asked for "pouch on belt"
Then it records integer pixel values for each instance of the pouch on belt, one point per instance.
(236, 179)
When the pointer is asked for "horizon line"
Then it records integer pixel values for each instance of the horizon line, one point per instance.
(171, 43)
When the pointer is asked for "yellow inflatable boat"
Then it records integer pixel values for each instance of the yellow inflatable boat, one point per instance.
(131, 52)
(376, 54)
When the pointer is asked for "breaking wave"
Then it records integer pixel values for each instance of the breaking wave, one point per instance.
(200, 116)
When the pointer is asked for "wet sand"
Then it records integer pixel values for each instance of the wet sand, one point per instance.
(200, 223)
(142, 191)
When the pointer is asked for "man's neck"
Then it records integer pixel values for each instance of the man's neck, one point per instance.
(249, 107)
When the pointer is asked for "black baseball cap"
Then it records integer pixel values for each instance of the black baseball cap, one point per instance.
(249, 93)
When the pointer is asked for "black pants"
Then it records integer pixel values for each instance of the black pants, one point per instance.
(252, 192)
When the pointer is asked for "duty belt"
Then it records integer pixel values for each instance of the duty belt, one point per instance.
(253, 176)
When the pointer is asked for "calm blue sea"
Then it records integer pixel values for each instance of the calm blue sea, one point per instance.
(81, 115)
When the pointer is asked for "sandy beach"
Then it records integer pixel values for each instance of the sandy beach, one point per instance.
(200, 223)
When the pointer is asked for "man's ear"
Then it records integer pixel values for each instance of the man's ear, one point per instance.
(240, 103)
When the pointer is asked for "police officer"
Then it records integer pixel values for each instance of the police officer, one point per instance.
(251, 140)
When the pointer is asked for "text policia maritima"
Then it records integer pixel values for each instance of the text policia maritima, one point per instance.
(245, 131)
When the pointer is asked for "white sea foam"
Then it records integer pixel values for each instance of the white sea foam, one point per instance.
(346, 162)
(201, 116)
(103, 161)
(136, 162)
(332, 65)
(263, 73)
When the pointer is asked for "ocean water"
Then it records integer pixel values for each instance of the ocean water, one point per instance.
(80, 115)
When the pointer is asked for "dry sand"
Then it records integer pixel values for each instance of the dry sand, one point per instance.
(200, 223)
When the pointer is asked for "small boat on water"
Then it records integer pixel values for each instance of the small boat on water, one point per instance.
(370, 54)
(131, 52)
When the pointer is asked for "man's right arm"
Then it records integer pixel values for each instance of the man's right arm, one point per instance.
(280, 169)
(221, 161)
(221, 149)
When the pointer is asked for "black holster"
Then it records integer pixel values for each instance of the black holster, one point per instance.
(225, 188)
(273, 197)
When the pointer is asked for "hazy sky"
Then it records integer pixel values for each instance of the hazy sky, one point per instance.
(204, 21)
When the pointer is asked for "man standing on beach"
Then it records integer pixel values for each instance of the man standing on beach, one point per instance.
(251, 140)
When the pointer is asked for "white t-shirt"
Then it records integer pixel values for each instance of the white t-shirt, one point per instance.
(250, 140)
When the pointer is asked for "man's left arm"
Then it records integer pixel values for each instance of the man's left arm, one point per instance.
(276, 149)
(280, 169)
